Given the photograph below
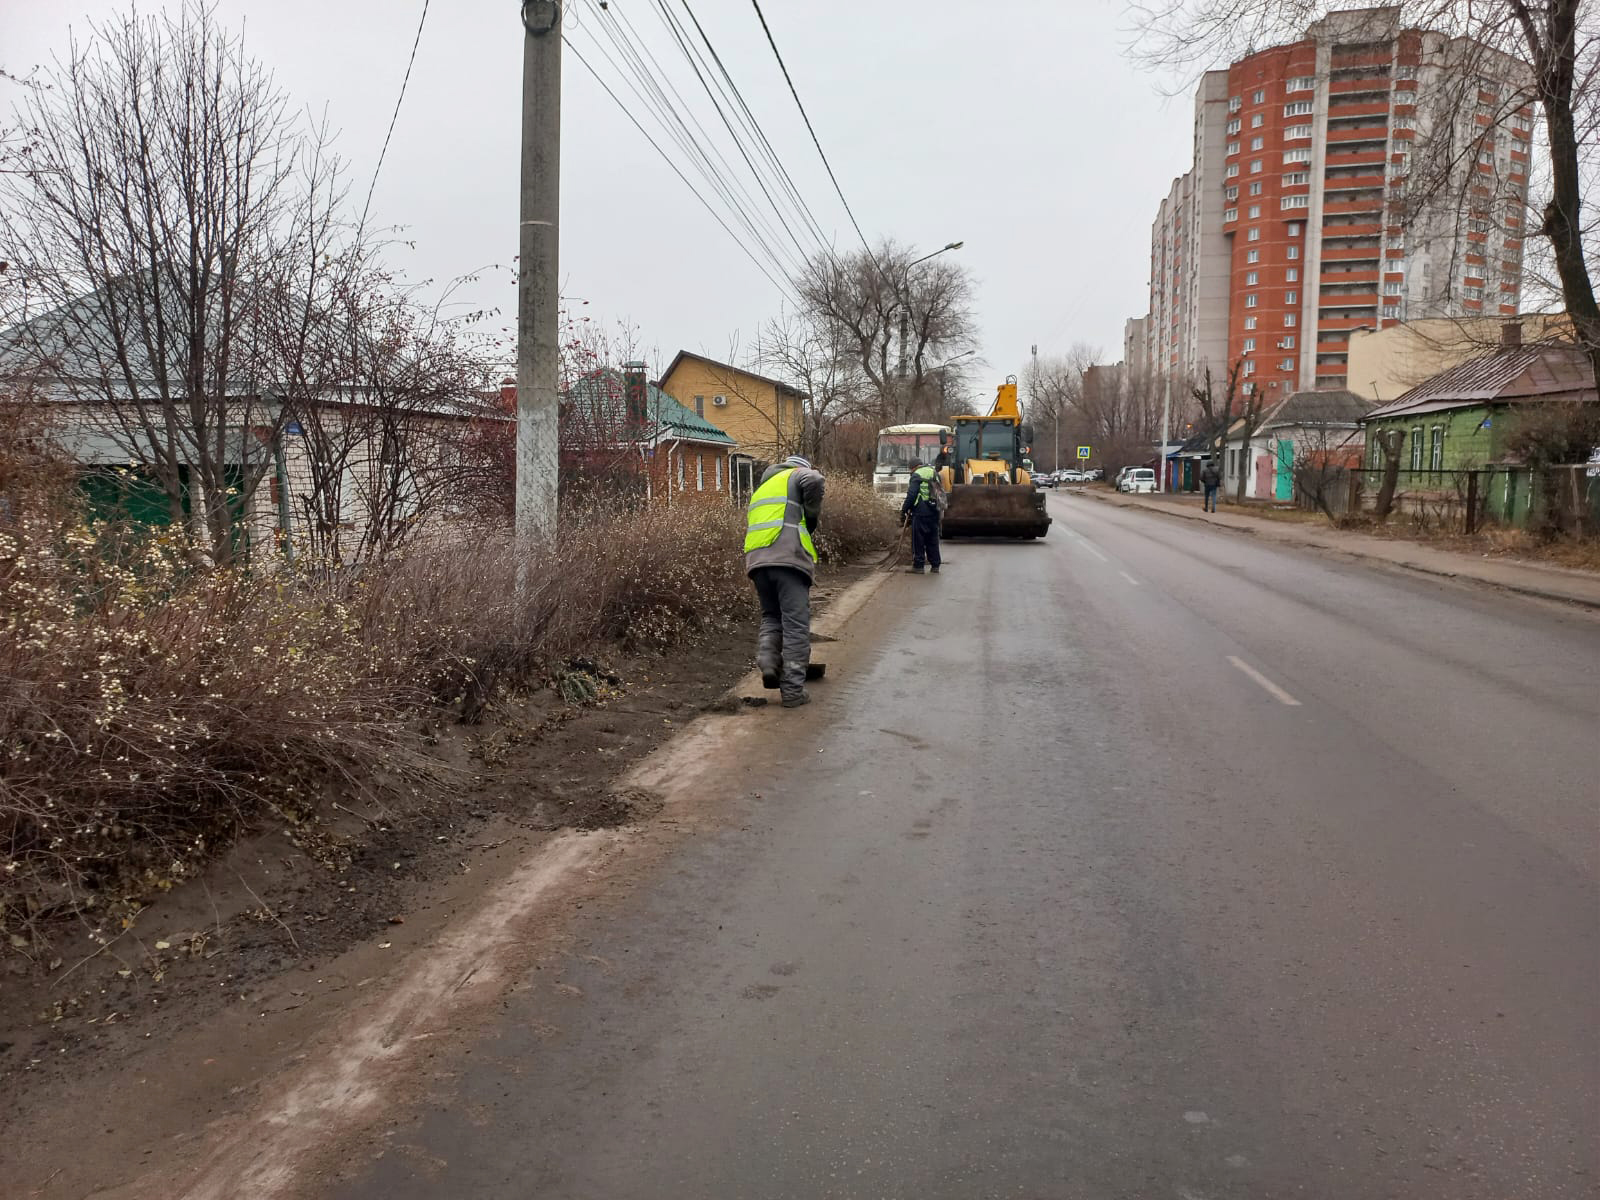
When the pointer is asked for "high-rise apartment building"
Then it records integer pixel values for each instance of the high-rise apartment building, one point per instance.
(1294, 225)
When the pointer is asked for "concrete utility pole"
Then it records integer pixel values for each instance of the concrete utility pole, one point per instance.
(538, 265)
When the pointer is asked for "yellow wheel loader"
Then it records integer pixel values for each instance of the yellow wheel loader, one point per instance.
(984, 469)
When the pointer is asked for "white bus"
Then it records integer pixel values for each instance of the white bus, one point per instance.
(898, 447)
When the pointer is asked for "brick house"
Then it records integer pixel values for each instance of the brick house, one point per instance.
(765, 417)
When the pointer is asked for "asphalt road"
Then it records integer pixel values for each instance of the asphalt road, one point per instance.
(1145, 861)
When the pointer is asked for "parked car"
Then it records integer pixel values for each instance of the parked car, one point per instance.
(1121, 475)
(1093, 475)
(1138, 479)
(1048, 479)
(1073, 476)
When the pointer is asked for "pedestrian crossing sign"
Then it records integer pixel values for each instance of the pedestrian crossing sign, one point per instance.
(1083, 452)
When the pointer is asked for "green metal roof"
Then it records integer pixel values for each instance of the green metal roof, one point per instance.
(603, 393)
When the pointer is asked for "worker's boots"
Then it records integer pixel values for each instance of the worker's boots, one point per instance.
(794, 685)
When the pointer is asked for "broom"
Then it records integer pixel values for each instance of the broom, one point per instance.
(896, 556)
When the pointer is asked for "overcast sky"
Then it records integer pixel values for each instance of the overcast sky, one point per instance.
(1016, 126)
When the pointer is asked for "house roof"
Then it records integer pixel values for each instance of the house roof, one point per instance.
(602, 397)
(1549, 371)
(1330, 407)
(783, 388)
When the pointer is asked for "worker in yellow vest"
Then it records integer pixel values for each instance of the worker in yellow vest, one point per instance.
(921, 511)
(780, 558)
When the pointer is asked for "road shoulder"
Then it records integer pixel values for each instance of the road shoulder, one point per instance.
(1530, 579)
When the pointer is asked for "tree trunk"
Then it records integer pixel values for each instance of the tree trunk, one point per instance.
(1391, 443)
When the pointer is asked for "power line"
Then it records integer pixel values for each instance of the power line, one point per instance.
(812, 131)
(755, 125)
(395, 116)
(673, 124)
(665, 157)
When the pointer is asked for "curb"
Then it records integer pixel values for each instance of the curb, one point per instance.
(1416, 568)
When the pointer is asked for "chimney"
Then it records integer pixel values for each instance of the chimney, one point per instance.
(1511, 335)
(508, 395)
(635, 391)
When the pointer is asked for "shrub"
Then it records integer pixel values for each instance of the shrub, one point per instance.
(855, 520)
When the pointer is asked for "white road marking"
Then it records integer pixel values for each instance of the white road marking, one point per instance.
(1129, 578)
(1272, 689)
(1085, 544)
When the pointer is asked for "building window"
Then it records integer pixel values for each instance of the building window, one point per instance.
(1294, 252)
(1436, 449)
(1230, 214)
(1250, 300)
(1290, 157)
(1296, 132)
(1252, 256)
(1292, 275)
(1234, 103)
(1298, 108)
(1301, 83)
(681, 483)
(1249, 322)
(1252, 278)
(1393, 287)
(1255, 212)
(1297, 201)
(1233, 126)
(1233, 148)
(1256, 143)
(1289, 320)
(1255, 234)
(1288, 342)
(1255, 166)
(1255, 188)
(1291, 297)
(717, 466)
(1230, 193)
(1259, 98)
(1416, 448)
(1249, 345)
(1294, 228)
(699, 472)
(699, 406)
(1249, 366)
(1296, 178)
(1233, 170)
(1257, 120)
(1286, 365)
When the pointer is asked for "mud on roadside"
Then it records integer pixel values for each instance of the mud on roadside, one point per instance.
(252, 938)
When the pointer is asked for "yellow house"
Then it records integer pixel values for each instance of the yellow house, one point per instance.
(764, 416)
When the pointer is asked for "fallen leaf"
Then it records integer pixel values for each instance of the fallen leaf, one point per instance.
(163, 945)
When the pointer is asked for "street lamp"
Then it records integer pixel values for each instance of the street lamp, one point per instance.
(905, 304)
(943, 402)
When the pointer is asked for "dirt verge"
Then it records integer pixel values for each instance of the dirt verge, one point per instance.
(297, 922)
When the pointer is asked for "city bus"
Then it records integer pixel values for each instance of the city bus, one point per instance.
(898, 447)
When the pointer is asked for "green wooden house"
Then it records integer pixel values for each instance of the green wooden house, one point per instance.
(1462, 419)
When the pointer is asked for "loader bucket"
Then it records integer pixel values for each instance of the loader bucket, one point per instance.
(995, 510)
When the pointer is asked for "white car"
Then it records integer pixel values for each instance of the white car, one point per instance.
(1137, 479)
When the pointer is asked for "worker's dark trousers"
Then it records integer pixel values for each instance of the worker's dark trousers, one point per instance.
(925, 536)
(784, 643)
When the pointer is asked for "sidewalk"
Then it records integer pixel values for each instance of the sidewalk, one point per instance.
(1531, 579)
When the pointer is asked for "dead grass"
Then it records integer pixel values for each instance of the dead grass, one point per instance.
(150, 712)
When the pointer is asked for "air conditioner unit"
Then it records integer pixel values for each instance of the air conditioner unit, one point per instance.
(719, 402)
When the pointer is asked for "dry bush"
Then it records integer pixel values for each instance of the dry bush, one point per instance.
(855, 521)
(150, 711)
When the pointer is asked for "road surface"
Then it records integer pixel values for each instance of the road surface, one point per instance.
(1146, 861)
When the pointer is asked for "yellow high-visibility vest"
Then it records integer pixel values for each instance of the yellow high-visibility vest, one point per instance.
(775, 508)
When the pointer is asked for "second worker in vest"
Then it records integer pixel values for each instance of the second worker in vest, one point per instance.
(780, 559)
(921, 510)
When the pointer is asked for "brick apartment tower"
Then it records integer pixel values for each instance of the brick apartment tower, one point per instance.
(1293, 226)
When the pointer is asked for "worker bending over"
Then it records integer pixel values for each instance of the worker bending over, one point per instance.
(921, 511)
(780, 558)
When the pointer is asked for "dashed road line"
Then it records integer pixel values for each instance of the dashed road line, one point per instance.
(1272, 689)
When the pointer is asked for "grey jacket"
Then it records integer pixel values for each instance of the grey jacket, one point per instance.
(808, 484)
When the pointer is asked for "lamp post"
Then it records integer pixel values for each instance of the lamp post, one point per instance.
(943, 403)
(905, 304)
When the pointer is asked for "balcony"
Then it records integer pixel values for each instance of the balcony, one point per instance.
(1366, 181)
(1371, 131)
(1335, 208)
(1367, 276)
(1357, 158)
(1357, 109)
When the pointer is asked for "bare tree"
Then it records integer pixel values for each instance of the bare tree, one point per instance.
(814, 356)
(1497, 58)
(172, 229)
(898, 319)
